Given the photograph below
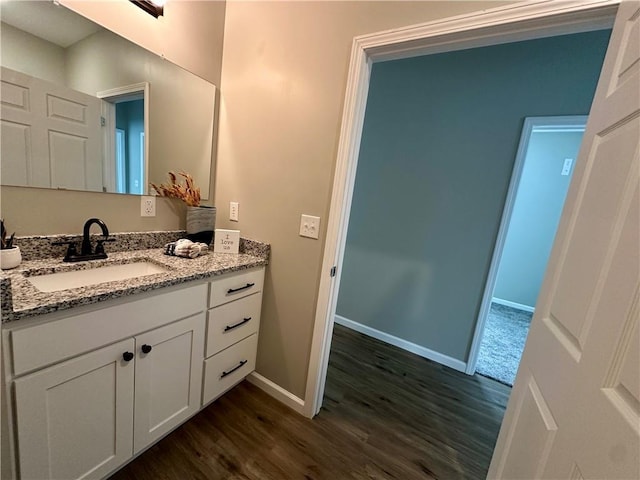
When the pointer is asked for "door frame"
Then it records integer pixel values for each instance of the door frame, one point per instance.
(555, 123)
(511, 23)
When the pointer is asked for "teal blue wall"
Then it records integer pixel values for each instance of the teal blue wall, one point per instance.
(536, 214)
(130, 118)
(439, 141)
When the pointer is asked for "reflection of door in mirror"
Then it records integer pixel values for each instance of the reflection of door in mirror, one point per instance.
(51, 135)
(126, 120)
(48, 41)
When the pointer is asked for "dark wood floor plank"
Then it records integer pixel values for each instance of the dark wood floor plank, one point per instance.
(387, 414)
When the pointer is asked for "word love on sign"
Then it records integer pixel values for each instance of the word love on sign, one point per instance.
(226, 241)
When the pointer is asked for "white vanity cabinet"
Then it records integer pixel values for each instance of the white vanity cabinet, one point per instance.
(81, 414)
(92, 387)
(233, 321)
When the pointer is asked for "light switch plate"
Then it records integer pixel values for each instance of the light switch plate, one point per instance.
(309, 226)
(566, 166)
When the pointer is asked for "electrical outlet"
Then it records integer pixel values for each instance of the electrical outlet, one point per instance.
(233, 211)
(309, 226)
(148, 206)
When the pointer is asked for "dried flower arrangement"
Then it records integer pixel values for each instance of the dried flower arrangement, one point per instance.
(6, 243)
(187, 192)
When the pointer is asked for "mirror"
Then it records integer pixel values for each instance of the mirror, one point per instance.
(85, 109)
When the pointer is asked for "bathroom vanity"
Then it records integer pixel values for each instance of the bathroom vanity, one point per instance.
(94, 375)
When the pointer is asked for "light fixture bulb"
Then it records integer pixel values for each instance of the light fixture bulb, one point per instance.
(152, 7)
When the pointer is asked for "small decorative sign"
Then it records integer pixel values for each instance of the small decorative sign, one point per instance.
(226, 241)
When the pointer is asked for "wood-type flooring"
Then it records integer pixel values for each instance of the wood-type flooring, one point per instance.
(387, 414)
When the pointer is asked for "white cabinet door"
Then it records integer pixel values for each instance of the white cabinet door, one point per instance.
(168, 378)
(75, 419)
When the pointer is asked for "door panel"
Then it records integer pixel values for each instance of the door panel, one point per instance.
(575, 408)
(168, 378)
(531, 437)
(74, 420)
(579, 280)
(15, 139)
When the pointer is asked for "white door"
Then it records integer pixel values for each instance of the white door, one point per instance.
(51, 135)
(168, 378)
(575, 408)
(75, 419)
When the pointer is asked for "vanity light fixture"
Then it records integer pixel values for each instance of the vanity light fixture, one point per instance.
(152, 7)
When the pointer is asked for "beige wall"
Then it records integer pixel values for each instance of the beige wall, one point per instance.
(283, 81)
(190, 34)
(38, 211)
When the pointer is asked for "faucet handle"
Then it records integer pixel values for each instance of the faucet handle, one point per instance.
(100, 246)
(71, 249)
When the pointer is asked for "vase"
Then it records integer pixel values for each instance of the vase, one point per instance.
(10, 258)
(201, 222)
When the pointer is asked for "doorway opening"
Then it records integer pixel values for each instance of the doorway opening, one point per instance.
(540, 181)
(125, 118)
(495, 26)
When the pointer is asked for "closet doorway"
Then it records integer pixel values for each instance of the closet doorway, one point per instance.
(541, 176)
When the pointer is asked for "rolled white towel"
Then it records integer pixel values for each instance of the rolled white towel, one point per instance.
(185, 248)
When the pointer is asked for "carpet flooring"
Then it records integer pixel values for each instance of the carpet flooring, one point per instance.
(503, 342)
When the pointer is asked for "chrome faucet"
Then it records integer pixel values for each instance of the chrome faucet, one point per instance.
(86, 252)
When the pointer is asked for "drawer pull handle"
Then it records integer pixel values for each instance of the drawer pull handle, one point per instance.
(127, 356)
(240, 365)
(231, 327)
(146, 348)
(234, 290)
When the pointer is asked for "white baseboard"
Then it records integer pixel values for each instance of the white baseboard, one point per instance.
(277, 392)
(403, 344)
(507, 303)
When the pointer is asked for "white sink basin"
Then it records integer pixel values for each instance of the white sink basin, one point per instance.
(55, 282)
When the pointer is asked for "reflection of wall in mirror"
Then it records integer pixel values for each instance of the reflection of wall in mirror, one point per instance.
(29, 54)
(179, 101)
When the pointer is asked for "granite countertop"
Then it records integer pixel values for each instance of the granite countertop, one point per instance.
(21, 299)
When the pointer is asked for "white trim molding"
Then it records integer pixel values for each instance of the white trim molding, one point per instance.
(277, 392)
(507, 303)
(515, 22)
(424, 352)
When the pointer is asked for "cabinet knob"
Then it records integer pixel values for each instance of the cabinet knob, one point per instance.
(127, 356)
(146, 348)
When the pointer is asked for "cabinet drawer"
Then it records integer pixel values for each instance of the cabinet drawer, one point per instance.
(231, 322)
(233, 287)
(225, 369)
(41, 345)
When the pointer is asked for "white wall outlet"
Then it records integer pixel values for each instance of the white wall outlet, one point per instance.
(233, 211)
(309, 226)
(148, 206)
